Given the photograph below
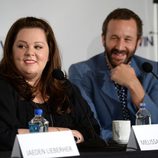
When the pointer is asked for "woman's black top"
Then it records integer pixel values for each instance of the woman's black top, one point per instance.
(15, 113)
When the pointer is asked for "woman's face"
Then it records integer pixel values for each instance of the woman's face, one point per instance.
(30, 53)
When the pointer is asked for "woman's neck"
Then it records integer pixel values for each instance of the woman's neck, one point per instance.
(39, 98)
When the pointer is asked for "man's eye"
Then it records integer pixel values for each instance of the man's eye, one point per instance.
(114, 38)
(128, 39)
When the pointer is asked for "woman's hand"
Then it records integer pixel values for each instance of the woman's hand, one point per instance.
(54, 129)
(23, 131)
(76, 134)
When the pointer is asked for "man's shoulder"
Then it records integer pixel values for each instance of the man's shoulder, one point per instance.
(91, 62)
(140, 60)
(88, 67)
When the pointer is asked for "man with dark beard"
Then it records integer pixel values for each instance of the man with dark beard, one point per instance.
(113, 82)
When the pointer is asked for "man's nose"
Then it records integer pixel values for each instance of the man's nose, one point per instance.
(120, 45)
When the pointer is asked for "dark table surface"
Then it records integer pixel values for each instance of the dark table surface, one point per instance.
(105, 153)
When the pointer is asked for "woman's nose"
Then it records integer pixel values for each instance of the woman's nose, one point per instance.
(30, 51)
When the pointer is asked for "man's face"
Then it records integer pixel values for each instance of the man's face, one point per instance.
(120, 41)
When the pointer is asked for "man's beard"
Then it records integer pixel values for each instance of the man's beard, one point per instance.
(109, 54)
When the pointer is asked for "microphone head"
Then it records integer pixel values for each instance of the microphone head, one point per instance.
(58, 74)
(147, 67)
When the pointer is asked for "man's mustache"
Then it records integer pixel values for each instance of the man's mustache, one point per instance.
(116, 51)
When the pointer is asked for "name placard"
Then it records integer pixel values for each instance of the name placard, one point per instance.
(45, 145)
(143, 137)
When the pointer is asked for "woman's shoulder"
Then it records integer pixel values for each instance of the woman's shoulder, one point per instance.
(4, 84)
(3, 80)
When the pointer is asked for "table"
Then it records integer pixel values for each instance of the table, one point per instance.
(105, 154)
(121, 154)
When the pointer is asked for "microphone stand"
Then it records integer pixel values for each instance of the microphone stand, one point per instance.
(155, 75)
(96, 141)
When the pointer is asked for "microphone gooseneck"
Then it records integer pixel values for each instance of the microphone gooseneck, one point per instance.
(59, 75)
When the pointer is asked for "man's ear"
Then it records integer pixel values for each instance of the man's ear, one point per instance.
(103, 39)
(139, 42)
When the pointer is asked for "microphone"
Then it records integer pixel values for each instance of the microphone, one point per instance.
(59, 75)
(148, 68)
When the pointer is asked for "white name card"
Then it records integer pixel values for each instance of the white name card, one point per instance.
(143, 137)
(45, 145)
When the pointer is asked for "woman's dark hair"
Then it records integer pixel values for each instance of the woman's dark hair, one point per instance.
(123, 14)
(48, 85)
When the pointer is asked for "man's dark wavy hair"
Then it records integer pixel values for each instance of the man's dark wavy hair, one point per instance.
(123, 14)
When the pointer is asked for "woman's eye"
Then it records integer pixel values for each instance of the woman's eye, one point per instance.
(21, 46)
(38, 47)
